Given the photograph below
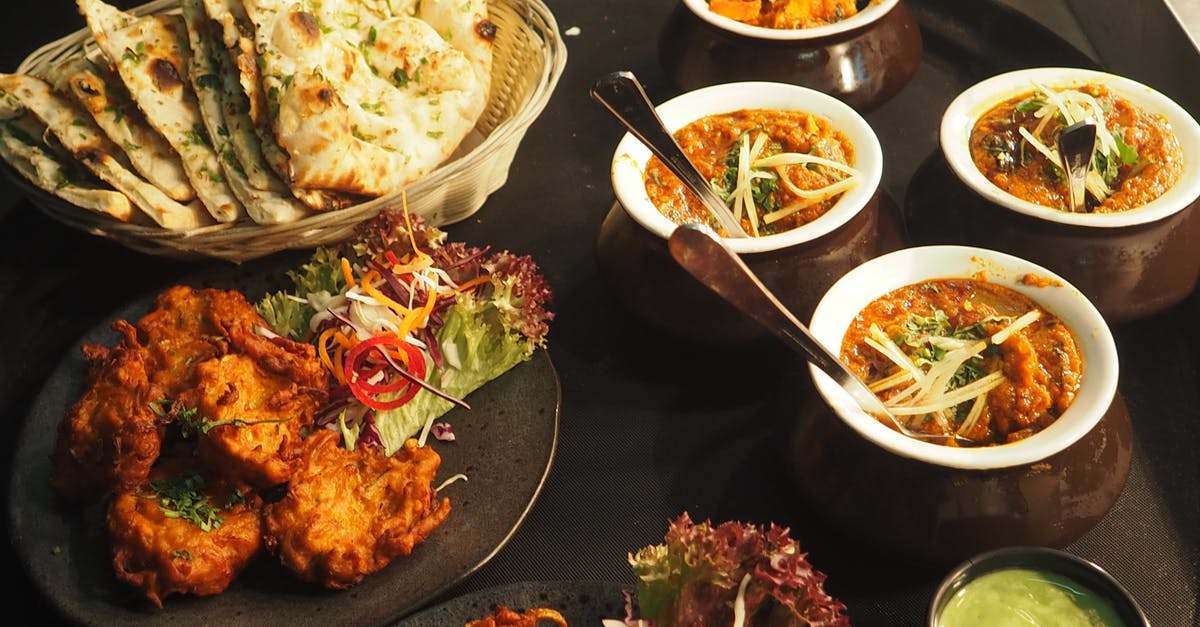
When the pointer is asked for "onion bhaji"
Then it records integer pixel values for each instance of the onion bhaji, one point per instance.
(183, 531)
(194, 411)
(110, 437)
(503, 616)
(114, 432)
(248, 420)
(348, 513)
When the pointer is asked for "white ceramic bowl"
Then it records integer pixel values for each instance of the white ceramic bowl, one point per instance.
(866, 16)
(854, 291)
(960, 117)
(630, 158)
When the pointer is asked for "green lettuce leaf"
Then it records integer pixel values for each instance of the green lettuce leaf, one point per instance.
(290, 317)
(481, 334)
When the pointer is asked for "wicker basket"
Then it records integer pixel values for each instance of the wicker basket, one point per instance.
(529, 57)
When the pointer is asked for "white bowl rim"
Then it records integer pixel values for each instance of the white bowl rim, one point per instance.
(630, 157)
(868, 15)
(960, 116)
(872, 279)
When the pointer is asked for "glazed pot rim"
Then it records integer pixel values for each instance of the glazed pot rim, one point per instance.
(870, 280)
(630, 157)
(1096, 578)
(868, 15)
(961, 114)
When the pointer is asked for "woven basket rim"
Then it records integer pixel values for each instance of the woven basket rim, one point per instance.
(241, 241)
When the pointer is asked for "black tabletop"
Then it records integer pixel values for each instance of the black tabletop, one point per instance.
(652, 426)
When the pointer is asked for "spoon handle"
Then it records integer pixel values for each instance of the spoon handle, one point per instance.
(697, 249)
(1075, 146)
(622, 94)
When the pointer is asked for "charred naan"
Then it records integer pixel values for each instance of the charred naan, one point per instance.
(150, 53)
(86, 142)
(365, 97)
(105, 97)
(43, 167)
(269, 202)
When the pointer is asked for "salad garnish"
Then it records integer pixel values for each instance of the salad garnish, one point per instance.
(409, 324)
(732, 574)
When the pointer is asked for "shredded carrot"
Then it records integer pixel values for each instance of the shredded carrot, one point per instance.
(323, 349)
(347, 272)
(473, 282)
(418, 316)
(368, 280)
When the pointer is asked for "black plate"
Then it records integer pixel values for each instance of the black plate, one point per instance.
(582, 603)
(504, 445)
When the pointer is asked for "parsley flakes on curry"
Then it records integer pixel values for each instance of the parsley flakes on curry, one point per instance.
(776, 170)
(966, 358)
(1136, 159)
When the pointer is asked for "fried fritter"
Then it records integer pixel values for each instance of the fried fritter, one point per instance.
(252, 419)
(503, 616)
(183, 531)
(111, 437)
(347, 514)
(114, 432)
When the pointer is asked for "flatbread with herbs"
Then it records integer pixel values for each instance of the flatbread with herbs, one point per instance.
(270, 203)
(150, 54)
(51, 172)
(88, 144)
(105, 97)
(365, 97)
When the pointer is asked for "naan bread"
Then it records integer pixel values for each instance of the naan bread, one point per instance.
(364, 98)
(268, 202)
(150, 53)
(37, 163)
(105, 97)
(86, 142)
(240, 68)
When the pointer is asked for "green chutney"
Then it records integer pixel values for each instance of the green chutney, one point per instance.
(1019, 597)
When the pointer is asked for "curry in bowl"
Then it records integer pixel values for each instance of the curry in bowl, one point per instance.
(965, 358)
(776, 170)
(1136, 157)
(788, 14)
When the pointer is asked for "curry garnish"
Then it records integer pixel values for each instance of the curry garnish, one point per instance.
(182, 496)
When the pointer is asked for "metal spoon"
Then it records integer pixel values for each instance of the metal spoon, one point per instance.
(624, 97)
(1075, 146)
(700, 251)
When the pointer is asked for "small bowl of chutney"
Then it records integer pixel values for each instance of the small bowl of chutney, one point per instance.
(1033, 585)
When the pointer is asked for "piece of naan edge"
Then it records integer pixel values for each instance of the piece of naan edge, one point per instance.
(367, 96)
(265, 206)
(56, 173)
(104, 96)
(241, 75)
(151, 56)
(87, 143)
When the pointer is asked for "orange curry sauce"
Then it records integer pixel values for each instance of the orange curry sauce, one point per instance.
(1007, 160)
(711, 143)
(1041, 363)
(785, 14)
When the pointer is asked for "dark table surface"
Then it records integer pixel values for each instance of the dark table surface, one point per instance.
(652, 426)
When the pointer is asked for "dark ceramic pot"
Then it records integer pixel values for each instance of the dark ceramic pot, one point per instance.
(797, 264)
(945, 503)
(863, 65)
(946, 515)
(1044, 560)
(1128, 272)
(1131, 263)
(640, 272)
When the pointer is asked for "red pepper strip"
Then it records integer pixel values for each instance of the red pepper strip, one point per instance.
(358, 385)
(385, 385)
